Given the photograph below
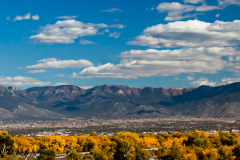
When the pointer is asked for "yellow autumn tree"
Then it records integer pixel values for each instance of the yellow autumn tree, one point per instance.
(23, 145)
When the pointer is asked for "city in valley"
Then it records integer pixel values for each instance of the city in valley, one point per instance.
(34, 128)
(121, 139)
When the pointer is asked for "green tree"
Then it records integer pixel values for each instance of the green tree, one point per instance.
(141, 153)
(73, 156)
(100, 155)
(236, 151)
(6, 143)
(125, 143)
(226, 153)
(93, 134)
(47, 154)
(162, 152)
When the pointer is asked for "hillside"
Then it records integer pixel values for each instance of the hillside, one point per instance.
(112, 101)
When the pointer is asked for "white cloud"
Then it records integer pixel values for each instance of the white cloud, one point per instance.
(61, 64)
(47, 60)
(68, 30)
(37, 71)
(117, 26)
(21, 81)
(205, 8)
(66, 17)
(60, 84)
(24, 17)
(226, 80)
(194, 1)
(175, 10)
(188, 54)
(190, 78)
(106, 30)
(35, 17)
(86, 87)
(59, 75)
(191, 33)
(151, 62)
(234, 58)
(84, 42)
(112, 10)
(174, 6)
(217, 15)
(115, 34)
(141, 68)
(225, 3)
(203, 81)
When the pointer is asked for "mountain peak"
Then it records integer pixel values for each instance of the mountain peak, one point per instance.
(12, 88)
(113, 101)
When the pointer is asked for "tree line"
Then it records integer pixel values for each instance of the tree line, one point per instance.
(126, 146)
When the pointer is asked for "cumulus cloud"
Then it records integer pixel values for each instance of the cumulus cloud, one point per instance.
(205, 48)
(117, 26)
(115, 34)
(35, 17)
(141, 68)
(217, 15)
(85, 42)
(60, 84)
(194, 1)
(60, 64)
(225, 3)
(86, 87)
(151, 62)
(66, 17)
(68, 30)
(21, 81)
(191, 33)
(112, 10)
(24, 17)
(205, 8)
(203, 81)
(226, 80)
(47, 60)
(175, 10)
(37, 71)
(234, 58)
(188, 54)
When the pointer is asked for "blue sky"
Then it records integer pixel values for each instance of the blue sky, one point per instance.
(182, 43)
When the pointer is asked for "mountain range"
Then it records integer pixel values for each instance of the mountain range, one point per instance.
(113, 101)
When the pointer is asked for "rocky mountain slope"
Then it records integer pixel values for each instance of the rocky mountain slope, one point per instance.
(112, 101)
